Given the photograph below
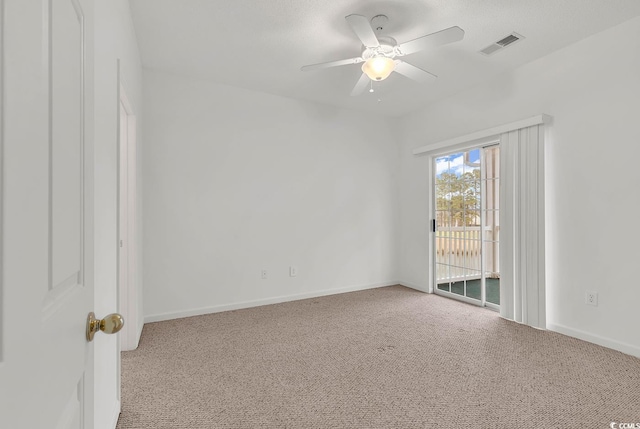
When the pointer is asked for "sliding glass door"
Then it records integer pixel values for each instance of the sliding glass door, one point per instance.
(466, 236)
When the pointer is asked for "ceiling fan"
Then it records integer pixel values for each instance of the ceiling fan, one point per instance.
(380, 53)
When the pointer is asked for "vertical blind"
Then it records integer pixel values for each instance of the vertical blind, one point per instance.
(522, 292)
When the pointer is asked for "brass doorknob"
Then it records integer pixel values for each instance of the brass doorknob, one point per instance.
(111, 324)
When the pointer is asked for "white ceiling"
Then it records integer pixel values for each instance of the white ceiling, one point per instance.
(261, 45)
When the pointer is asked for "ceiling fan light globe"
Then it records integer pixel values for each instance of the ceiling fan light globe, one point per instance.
(378, 68)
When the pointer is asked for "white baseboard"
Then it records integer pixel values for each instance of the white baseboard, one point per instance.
(596, 339)
(258, 302)
(415, 286)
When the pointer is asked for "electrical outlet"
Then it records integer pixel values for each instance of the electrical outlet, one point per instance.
(592, 298)
(293, 271)
(263, 274)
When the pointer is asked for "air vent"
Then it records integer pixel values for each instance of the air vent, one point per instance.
(508, 40)
(501, 44)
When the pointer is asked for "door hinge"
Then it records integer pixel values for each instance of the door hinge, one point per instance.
(120, 243)
(433, 225)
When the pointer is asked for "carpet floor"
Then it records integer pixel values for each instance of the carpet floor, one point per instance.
(381, 358)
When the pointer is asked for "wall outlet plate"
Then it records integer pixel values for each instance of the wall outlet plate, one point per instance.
(263, 274)
(591, 298)
(293, 271)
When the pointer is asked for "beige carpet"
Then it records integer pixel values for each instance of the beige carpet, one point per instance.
(383, 358)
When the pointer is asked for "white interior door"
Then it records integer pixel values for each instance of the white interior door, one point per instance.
(46, 363)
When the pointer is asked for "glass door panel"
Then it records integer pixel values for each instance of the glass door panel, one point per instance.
(467, 225)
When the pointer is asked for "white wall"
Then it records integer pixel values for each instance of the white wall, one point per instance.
(592, 90)
(114, 39)
(238, 181)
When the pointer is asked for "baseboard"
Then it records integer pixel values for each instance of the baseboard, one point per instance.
(596, 339)
(116, 415)
(415, 286)
(258, 302)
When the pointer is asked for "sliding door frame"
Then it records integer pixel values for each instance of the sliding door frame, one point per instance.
(433, 283)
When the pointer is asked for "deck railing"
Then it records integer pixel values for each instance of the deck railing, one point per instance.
(459, 252)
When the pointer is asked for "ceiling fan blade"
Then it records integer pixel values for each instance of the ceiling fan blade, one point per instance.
(355, 60)
(451, 34)
(361, 26)
(413, 72)
(360, 85)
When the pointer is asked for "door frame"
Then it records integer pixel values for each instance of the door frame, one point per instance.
(126, 293)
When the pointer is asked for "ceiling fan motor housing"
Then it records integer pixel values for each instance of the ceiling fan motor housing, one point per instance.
(387, 48)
